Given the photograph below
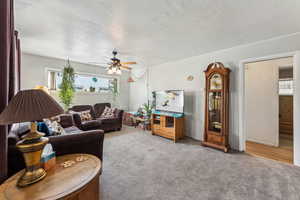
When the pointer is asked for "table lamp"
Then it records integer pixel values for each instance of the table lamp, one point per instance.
(31, 106)
(41, 87)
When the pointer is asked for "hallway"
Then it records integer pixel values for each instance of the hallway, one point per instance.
(283, 153)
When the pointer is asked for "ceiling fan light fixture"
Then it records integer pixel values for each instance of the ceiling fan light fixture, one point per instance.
(115, 66)
(114, 69)
(119, 72)
(109, 71)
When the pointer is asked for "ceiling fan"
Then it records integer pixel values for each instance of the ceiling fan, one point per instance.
(115, 66)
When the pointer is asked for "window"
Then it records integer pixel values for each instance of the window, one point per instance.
(84, 82)
(285, 86)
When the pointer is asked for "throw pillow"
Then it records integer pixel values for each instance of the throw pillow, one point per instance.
(108, 113)
(84, 115)
(42, 127)
(55, 118)
(20, 128)
(53, 126)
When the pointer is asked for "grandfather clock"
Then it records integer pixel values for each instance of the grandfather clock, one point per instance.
(216, 129)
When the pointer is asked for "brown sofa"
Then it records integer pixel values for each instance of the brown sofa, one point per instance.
(97, 122)
(74, 141)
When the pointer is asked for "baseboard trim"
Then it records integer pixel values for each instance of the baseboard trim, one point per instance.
(261, 142)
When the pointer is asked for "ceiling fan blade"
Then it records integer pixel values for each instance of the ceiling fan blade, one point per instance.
(128, 63)
(125, 67)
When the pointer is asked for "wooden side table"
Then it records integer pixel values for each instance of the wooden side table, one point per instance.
(80, 181)
(146, 123)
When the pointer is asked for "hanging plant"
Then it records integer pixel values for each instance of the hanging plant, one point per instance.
(67, 87)
(114, 91)
(114, 88)
(94, 79)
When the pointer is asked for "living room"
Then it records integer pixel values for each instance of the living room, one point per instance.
(150, 98)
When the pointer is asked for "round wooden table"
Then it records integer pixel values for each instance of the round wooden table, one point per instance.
(79, 181)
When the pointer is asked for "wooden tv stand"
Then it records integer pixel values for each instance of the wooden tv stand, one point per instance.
(167, 126)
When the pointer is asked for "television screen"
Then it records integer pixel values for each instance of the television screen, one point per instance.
(169, 100)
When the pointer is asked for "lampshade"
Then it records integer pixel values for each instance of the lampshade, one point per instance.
(41, 87)
(30, 105)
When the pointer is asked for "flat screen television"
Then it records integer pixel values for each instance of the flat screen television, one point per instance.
(169, 100)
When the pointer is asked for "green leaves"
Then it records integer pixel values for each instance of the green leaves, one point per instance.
(147, 107)
(114, 88)
(67, 87)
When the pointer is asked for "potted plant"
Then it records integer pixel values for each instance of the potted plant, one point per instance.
(114, 90)
(67, 87)
(147, 107)
(92, 89)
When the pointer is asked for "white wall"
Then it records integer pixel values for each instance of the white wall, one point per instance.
(173, 75)
(262, 100)
(33, 73)
(138, 93)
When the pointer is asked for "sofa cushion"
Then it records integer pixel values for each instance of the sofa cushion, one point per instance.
(84, 115)
(90, 125)
(72, 130)
(80, 108)
(108, 120)
(54, 118)
(66, 120)
(119, 113)
(99, 108)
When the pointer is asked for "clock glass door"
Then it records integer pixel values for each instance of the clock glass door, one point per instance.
(214, 111)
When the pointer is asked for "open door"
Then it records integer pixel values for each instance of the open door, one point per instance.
(261, 103)
(296, 106)
(296, 71)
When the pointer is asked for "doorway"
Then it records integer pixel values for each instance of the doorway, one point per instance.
(269, 109)
(286, 108)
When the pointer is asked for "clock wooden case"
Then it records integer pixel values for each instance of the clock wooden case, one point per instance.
(216, 129)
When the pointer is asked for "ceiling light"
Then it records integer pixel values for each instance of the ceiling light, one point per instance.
(119, 72)
(110, 71)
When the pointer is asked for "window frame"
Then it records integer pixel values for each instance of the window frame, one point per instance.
(57, 70)
(286, 79)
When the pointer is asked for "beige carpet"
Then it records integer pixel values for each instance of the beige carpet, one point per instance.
(140, 166)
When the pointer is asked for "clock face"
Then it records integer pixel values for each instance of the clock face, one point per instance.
(216, 82)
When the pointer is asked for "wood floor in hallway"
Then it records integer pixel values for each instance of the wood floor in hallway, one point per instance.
(283, 153)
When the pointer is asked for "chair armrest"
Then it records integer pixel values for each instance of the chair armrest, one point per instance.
(90, 142)
(119, 114)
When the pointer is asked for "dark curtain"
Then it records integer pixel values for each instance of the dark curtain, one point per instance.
(9, 72)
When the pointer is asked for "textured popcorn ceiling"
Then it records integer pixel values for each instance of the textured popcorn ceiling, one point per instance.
(150, 32)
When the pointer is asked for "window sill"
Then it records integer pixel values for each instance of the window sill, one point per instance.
(55, 92)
